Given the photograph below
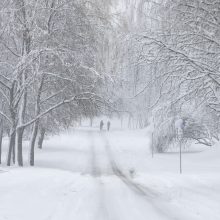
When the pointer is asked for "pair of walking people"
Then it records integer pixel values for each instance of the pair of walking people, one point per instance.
(102, 125)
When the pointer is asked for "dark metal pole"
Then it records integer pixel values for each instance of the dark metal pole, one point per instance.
(152, 145)
(180, 156)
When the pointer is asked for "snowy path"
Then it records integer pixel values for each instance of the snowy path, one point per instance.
(113, 190)
(142, 205)
(89, 179)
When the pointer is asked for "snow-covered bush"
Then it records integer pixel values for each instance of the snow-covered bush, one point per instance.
(165, 134)
(195, 130)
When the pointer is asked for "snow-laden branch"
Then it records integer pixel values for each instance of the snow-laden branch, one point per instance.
(9, 49)
(47, 111)
(4, 85)
(204, 68)
(65, 101)
(6, 117)
(59, 77)
(5, 96)
(53, 95)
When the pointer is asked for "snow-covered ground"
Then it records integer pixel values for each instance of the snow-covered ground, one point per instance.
(85, 174)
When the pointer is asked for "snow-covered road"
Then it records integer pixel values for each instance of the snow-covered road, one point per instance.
(92, 175)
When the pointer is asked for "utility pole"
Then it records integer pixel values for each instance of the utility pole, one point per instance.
(179, 126)
(152, 145)
(180, 143)
(152, 142)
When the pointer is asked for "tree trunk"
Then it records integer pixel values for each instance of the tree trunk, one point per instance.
(12, 130)
(41, 138)
(13, 154)
(20, 132)
(91, 121)
(32, 142)
(20, 128)
(11, 146)
(129, 121)
(36, 124)
(1, 136)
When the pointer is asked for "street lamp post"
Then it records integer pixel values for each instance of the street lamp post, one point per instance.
(180, 143)
(179, 125)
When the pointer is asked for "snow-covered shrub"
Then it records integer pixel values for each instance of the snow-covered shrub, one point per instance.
(165, 134)
(195, 130)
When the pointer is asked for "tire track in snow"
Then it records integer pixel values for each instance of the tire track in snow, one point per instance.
(144, 193)
(102, 213)
(95, 170)
(118, 172)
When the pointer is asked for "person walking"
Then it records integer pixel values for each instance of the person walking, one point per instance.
(108, 125)
(101, 125)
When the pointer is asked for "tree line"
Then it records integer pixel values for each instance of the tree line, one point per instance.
(51, 70)
(167, 54)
